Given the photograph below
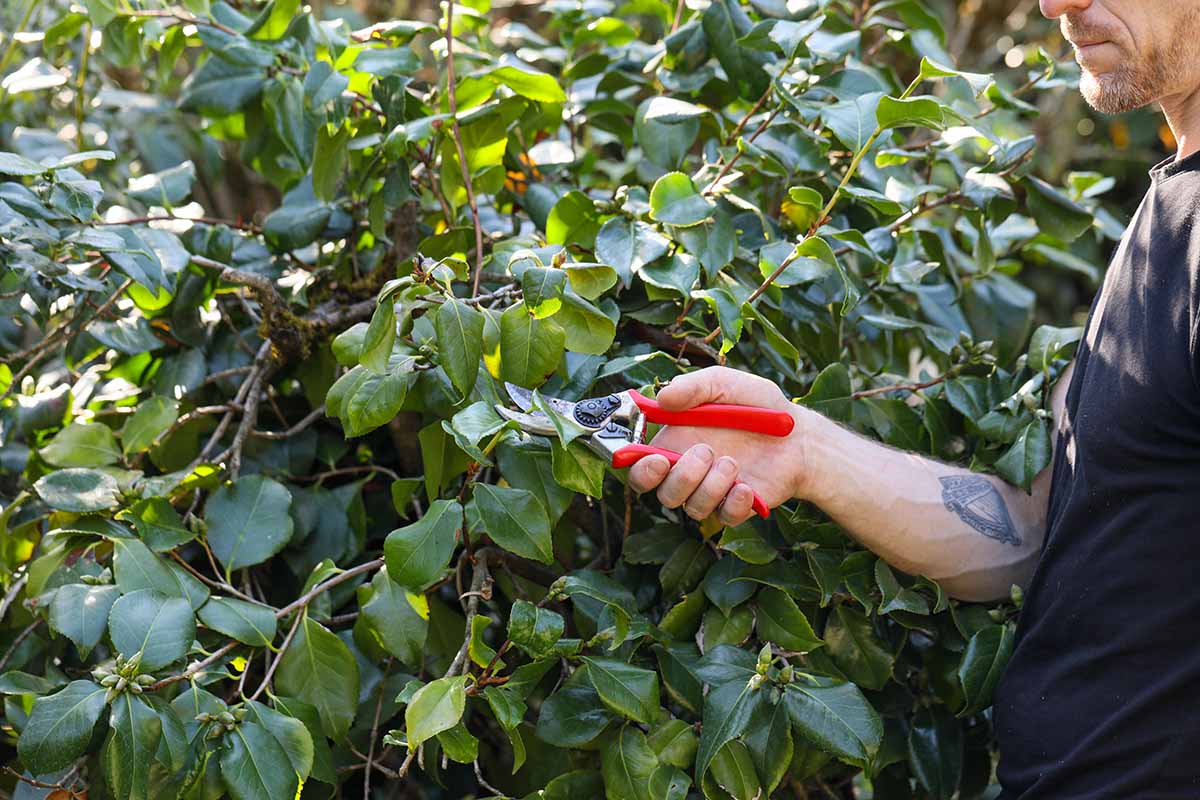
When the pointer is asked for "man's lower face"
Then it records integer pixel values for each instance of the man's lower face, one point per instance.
(1118, 90)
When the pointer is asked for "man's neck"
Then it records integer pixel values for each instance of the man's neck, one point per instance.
(1183, 117)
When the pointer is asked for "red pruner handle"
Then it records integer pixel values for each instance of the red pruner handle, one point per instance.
(630, 454)
(718, 415)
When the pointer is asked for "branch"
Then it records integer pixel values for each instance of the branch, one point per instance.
(462, 157)
(25, 634)
(199, 666)
(278, 657)
(299, 427)
(181, 15)
(327, 585)
(900, 387)
(481, 584)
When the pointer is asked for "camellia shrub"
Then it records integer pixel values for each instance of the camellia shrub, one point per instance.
(262, 276)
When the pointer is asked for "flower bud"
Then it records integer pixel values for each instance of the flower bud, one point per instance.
(144, 680)
(121, 684)
(110, 680)
(786, 674)
(136, 688)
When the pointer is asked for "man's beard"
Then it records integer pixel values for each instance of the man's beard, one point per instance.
(1125, 89)
(1144, 78)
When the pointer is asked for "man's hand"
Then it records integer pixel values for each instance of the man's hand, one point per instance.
(715, 458)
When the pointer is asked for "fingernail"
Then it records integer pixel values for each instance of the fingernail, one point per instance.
(741, 493)
(726, 466)
(658, 468)
(705, 453)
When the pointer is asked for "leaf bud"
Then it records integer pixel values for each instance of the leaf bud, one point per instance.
(110, 680)
(144, 680)
(239, 714)
(203, 717)
(756, 681)
(213, 733)
(996, 614)
(1018, 595)
(764, 659)
(226, 718)
(786, 674)
(111, 694)
(121, 684)
(136, 688)
(100, 673)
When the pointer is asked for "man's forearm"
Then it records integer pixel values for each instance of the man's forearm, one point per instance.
(974, 534)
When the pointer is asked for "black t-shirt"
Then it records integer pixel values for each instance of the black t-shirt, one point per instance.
(1102, 696)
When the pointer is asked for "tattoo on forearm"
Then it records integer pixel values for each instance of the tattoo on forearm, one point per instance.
(976, 502)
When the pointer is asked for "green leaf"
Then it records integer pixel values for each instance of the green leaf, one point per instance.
(922, 112)
(59, 727)
(291, 734)
(935, 752)
(675, 201)
(250, 623)
(724, 22)
(291, 227)
(161, 628)
(1049, 343)
(437, 706)
(459, 330)
(158, 524)
(782, 622)
(830, 393)
(853, 121)
(153, 417)
(747, 544)
(769, 740)
(392, 620)
(733, 771)
(82, 444)
(255, 766)
(727, 711)
(136, 568)
(675, 743)
(459, 745)
(19, 166)
(722, 587)
(534, 629)
(17, 682)
(896, 597)
(1028, 456)
(573, 221)
(329, 159)
(628, 245)
(688, 563)
(542, 290)
(836, 718)
(572, 717)
(381, 335)
(248, 521)
(627, 764)
(530, 348)
(80, 612)
(591, 280)
(578, 469)
(364, 400)
(982, 665)
(515, 520)
(529, 83)
(442, 458)
(587, 328)
(135, 733)
(628, 690)
(418, 554)
(167, 188)
(857, 651)
(319, 669)
(1056, 214)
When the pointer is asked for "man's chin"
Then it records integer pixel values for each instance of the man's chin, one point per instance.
(1111, 93)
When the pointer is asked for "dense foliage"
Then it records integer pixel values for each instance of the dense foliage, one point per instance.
(261, 277)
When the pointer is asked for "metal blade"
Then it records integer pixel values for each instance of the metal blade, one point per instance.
(524, 400)
(522, 397)
(536, 422)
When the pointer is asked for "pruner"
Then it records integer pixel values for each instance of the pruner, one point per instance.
(616, 423)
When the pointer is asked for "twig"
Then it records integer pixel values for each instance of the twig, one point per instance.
(216, 584)
(478, 771)
(462, 156)
(12, 593)
(278, 657)
(181, 15)
(241, 226)
(899, 387)
(25, 634)
(199, 666)
(375, 733)
(480, 578)
(327, 585)
(300, 426)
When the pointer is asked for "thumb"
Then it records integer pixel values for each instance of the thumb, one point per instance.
(718, 385)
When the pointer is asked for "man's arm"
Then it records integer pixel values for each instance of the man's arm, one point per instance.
(975, 534)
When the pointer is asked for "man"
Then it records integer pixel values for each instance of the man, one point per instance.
(1102, 696)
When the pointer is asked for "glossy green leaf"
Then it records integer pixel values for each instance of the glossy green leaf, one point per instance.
(515, 520)
(418, 553)
(319, 669)
(628, 690)
(437, 706)
(60, 726)
(836, 718)
(250, 623)
(158, 627)
(627, 764)
(248, 521)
